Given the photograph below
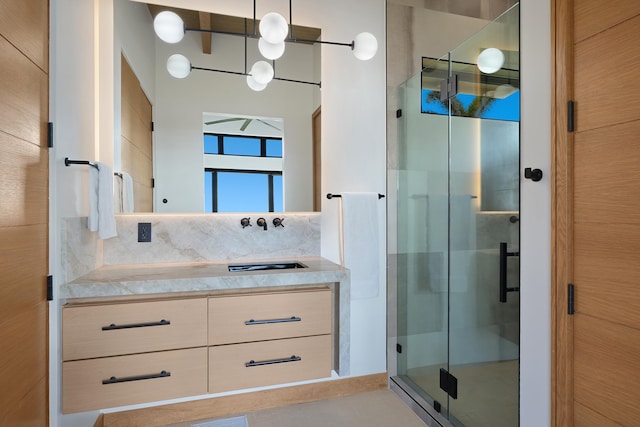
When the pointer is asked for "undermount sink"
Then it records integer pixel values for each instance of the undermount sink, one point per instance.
(257, 266)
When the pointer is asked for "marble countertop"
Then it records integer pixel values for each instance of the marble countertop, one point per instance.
(149, 279)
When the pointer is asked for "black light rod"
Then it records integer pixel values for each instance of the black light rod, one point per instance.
(238, 73)
(255, 36)
(319, 41)
(319, 84)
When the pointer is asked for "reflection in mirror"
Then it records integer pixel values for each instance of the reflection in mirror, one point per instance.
(242, 163)
(177, 106)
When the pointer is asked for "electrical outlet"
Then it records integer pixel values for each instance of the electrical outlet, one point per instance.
(144, 232)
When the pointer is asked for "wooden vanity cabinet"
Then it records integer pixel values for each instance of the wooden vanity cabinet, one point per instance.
(131, 352)
(263, 339)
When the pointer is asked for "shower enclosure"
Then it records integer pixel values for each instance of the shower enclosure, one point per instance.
(458, 231)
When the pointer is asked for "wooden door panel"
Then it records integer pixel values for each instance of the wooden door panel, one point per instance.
(23, 361)
(607, 356)
(606, 83)
(597, 213)
(606, 172)
(585, 417)
(31, 411)
(23, 183)
(24, 87)
(136, 138)
(607, 269)
(23, 281)
(22, 23)
(591, 18)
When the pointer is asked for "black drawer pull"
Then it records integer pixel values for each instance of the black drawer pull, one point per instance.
(113, 326)
(267, 321)
(293, 358)
(115, 380)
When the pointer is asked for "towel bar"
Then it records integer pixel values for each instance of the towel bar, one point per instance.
(331, 196)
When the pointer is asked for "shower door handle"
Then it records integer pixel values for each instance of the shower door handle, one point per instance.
(504, 289)
(534, 175)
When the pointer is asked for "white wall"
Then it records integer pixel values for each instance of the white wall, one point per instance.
(535, 244)
(353, 132)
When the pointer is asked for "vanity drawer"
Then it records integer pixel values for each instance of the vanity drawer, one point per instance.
(240, 366)
(260, 317)
(137, 327)
(133, 379)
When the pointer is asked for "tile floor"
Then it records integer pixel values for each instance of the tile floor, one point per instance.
(375, 409)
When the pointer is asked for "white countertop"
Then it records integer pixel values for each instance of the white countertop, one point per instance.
(149, 279)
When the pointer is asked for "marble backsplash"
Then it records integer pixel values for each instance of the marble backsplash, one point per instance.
(188, 238)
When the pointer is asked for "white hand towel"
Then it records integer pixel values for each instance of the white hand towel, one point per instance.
(101, 210)
(127, 193)
(118, 189)
(361, 243)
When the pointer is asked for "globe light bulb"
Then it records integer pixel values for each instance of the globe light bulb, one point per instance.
(169, 27)
(490, 60)
(273, 27)
(178, 66)
(365, 46)
(262, 72)
(254, 85)
(270, 51)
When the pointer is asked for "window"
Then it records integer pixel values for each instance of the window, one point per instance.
(243, 173)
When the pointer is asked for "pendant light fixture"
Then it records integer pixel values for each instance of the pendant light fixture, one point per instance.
(490, 60)
(274, 33)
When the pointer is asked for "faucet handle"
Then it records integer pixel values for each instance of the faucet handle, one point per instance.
(262, 223)
(245, 222)
(277, 222)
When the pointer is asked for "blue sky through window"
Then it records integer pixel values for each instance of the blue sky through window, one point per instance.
(501, 109)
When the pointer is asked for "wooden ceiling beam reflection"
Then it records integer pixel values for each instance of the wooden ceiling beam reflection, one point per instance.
(205, 24)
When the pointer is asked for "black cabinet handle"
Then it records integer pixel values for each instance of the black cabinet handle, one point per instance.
(116, 380)
(267, 321)
(253, 363)
(113, 326)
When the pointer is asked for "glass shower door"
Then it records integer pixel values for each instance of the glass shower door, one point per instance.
(422, 246)
(484, 152)
(458, 231)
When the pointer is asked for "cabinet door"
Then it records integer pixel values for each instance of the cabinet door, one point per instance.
(127, 380)
(240, 366)
(128, 328)
(245, 318)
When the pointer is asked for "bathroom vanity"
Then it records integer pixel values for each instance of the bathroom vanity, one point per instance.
(151, 332)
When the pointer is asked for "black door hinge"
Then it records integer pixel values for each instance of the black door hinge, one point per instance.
(571, 309)
(153, 183)
(570, 116)
(49, 288)
(152, 127)
(398, 113)
(398, 348)
(449, 87)
(448, 383)
(50, 134)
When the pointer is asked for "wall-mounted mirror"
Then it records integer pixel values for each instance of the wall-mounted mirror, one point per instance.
(174, 156)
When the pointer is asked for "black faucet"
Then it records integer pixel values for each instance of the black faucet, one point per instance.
(245, 222)
(277, 222)
(262, 223)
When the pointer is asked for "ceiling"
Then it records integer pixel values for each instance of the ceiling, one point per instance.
(224, 23)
